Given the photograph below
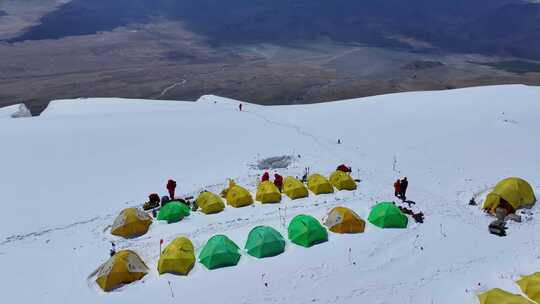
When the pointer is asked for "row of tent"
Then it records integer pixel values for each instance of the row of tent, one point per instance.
(237, 196)
(513, 193)
(132, 223)
(529, 285)
(178, 257)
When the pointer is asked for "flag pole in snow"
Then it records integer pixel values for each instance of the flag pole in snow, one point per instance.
(172, 294)
(351, 262)
(263, 280)
(442, 233)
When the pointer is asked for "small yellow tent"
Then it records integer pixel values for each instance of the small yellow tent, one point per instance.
(267, 192)
(342, 181)
(318, 184)
(122, 268)
(130, 223)
(237, 196)
(344, 220)
(178, 257)
(516, 191)
(294, 188)
(499, 296)
(210, 203)
(530, 285)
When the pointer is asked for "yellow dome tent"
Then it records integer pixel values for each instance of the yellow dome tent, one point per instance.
(516, 191)
(530, 285)
(318, 184)
(294, 188)
(499, 296)
(130, 223)
(122, 268)
(178, 257)
(267, 192)
(342, 181)
(210, 203)
(344, 220)
(237, 196)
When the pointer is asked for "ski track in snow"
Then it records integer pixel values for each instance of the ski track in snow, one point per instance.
(325, 143)
(22, 237)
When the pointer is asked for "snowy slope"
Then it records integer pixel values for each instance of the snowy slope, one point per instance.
(67, 173)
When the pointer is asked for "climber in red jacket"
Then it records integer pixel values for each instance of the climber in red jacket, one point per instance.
(171, 187)
(397, 188)
(343, 168)
(265, 177)
(278, 181)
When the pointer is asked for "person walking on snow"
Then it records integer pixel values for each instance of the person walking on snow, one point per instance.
(278, 181)
(265, 177)
(305, 176)
(403, 188)
(240, 107)
(112, 252)
(397, 188)
(171, 187)
(164, 200)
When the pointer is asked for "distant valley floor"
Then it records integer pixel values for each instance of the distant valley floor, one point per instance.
(163, 61)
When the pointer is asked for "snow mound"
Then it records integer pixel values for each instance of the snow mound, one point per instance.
(15, 111)
(108, 106)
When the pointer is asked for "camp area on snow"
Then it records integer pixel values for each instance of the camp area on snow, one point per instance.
(419, 197)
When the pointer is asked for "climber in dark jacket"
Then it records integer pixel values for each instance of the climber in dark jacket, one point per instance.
(403, 187)
(153, 201)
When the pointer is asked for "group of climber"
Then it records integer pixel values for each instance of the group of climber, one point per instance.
(278, 179)
(400, 188)
(400, 191)
(154, 201)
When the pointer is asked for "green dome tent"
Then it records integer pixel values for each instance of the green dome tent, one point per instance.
(387, 215)
(305, 230)
(173, 212)
(219, 252)
(264, 241)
